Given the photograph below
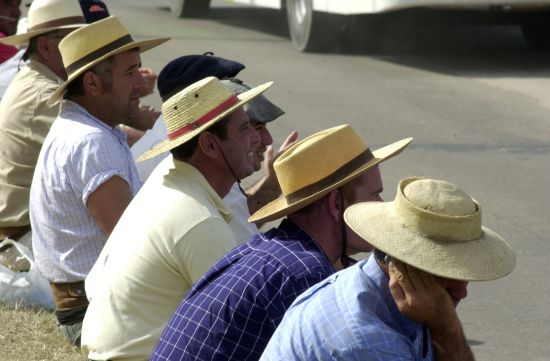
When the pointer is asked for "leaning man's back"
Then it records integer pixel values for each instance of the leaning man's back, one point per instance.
(172, 231)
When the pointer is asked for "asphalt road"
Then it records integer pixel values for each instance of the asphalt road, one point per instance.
(475, 99)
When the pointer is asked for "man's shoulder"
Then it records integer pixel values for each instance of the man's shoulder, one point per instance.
(300, 255)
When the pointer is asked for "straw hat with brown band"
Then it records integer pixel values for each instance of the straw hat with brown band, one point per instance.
(434, 226)
(49, 15)
(196, 108)
(93, 43)
(319, 164)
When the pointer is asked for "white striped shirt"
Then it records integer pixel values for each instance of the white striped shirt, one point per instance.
(79, 154)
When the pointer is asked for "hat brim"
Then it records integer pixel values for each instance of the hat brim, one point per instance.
(280, 206)
(143, 46)
(23, 39)
(167, 144)
(483, 259)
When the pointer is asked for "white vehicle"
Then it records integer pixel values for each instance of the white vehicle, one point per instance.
(317, 24)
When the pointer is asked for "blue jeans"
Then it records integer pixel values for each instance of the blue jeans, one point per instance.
(72, 333)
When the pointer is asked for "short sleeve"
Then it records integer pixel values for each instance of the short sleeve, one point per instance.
(98, 158)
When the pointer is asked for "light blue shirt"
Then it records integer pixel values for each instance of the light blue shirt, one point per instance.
(349, 316)
(79, 154)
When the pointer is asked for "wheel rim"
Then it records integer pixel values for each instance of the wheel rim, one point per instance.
(300, 11)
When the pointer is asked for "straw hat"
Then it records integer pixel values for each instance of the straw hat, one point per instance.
(89, 45)
(436, 227)
(319, 164)
(196, 108)
(49, 15)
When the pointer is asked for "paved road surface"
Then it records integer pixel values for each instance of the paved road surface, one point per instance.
(475, 99)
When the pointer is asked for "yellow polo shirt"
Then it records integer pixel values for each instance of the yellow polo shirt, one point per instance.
(172, 232)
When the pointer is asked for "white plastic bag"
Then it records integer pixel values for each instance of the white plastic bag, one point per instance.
(24, 288)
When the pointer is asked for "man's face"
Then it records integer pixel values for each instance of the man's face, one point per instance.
(55, 60)
(122, 98)
(265, 140)
(9, 9)
(364, 188)
(240, 144)
(458, 290)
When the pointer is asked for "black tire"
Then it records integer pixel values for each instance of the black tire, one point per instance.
(313, 31)
(537, 36)
(189, 8)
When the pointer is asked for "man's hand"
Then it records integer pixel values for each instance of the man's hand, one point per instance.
(267, 188)
(150, 79)
(269, 158)
(420, 297)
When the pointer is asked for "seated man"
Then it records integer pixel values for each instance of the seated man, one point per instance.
(85, 175)
(25, 116)
(10, 56)
(176, 227)
(9, 16)
(231, 313)
(400, 304)
(184, 71)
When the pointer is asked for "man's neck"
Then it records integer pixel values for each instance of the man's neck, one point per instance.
(219, 179)
(92, 108)
(322, 229)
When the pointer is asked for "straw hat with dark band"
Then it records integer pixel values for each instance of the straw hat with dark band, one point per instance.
(196, 108)
(319, 164)
(436, 227)
(49, 15)
(89, 45)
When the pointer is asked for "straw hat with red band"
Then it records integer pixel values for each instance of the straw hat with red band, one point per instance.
(91, 44)
(49, 15)
(196, 108)
(319, 164)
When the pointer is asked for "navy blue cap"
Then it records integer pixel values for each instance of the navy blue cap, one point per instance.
(94, 10)
(186, 70)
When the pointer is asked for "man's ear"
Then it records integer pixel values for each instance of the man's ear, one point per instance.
(335, 203)
(208, 145)
(44, 47)
(91, 83)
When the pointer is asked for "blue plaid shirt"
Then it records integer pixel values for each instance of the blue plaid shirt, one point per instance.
(231, 313)
(349, 316)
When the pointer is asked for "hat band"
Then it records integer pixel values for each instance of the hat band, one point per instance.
(331, 179)
(439, 227)
(96, 54)
(204, 119)
(71, 20)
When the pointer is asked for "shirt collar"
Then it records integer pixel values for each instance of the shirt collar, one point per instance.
(192, 172)
(44, 70)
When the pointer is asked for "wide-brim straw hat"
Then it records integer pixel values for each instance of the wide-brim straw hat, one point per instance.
(318, 164)
(49, 15)
(196, 108)
(436, 227)
(91, 44)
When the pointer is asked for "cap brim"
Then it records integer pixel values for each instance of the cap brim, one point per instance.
(143, 46)
(170, 144)
(483, 259)
(280, 207)
(23, 39)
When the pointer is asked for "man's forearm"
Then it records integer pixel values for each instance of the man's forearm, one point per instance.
(451, 345)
